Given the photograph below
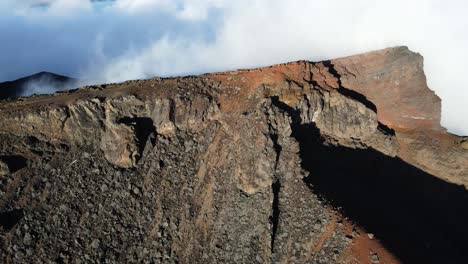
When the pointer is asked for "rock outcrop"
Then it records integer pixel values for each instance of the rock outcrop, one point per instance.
(283, 164)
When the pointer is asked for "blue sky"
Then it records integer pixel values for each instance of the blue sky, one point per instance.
(132, 39)
(74, 44)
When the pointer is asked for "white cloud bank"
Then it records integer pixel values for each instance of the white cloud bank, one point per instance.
(134, 39)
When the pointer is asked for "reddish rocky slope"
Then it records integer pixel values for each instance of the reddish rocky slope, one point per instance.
(291, 163)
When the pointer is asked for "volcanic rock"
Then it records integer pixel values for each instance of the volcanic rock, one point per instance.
(249, 166)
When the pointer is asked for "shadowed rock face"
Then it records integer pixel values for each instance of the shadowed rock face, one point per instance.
(248, 167)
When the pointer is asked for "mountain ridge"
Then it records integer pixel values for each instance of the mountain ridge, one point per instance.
(297, 162)
(16, 88)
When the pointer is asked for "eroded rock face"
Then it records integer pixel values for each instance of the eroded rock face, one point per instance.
(394, 81)
(220, 167)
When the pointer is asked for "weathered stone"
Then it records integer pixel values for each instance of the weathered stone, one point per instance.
(4, 170)
(223, 167)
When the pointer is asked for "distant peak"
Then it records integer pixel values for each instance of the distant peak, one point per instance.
(46, 73)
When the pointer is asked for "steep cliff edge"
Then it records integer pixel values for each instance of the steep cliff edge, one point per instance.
(246, 166)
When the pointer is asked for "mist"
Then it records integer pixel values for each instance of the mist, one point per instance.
(47, 84)
(134, 39)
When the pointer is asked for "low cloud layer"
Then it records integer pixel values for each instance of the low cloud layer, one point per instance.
(132, 39)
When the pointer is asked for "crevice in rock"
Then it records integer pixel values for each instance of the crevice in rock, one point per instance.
(10, 218)
(299, 131)
(385, 129)
(293, 113)
(348, 92)
(277, 147)
(172, 110)
(275, 211)
(14, 162)
(32, 141)
(358, 97)
(332, 71)
(276, 185)
(144, 130)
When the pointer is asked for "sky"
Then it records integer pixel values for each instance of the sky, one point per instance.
(113, 41)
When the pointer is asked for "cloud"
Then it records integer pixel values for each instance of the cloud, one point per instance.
(54, 7)
(146, 6)
(48, 84)
(144, 38)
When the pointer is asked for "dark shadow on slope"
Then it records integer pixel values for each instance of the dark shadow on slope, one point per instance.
(9, 219)
(416, 216)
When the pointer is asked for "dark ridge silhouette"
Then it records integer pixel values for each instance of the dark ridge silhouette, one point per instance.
(16, 88)
(418, 217)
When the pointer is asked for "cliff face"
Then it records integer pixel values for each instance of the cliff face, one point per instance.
(229, 167)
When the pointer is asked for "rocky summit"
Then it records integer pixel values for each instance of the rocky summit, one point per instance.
(339, 161)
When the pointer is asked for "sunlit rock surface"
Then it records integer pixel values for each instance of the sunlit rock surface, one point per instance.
(293, 163)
